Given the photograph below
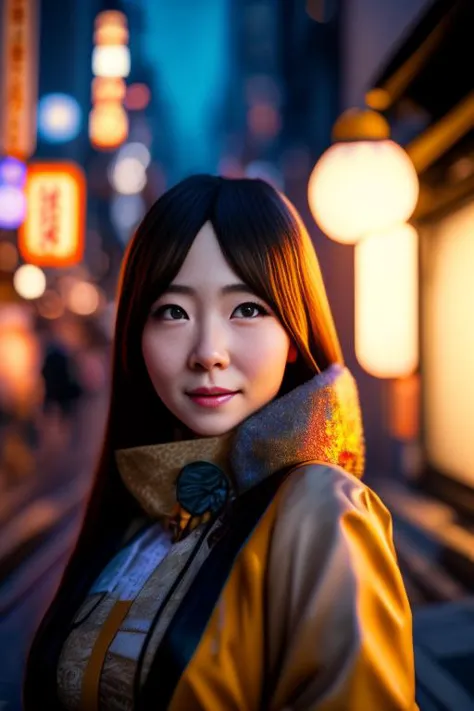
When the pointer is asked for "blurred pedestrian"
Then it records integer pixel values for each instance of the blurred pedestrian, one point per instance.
(62, 388)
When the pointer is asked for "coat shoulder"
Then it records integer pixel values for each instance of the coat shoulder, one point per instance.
(330, 492)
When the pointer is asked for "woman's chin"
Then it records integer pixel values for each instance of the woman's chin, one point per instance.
(210, 431)
(207, 429)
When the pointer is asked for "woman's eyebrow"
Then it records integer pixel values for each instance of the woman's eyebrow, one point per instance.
(227, 289)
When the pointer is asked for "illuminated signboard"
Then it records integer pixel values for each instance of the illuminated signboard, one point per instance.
(20, 78)
(52, 234)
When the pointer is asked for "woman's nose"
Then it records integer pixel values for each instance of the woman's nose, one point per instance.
(210, 351)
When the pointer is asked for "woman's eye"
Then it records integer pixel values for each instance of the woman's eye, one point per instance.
(169, 312)
(249, 310)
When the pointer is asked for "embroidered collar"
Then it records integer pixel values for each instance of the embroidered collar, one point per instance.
(151, 472)
(318, 421)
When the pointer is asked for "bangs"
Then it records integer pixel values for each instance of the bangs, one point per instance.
(253, 226)
(251, 222)
(265, 242)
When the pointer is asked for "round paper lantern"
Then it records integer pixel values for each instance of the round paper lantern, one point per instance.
(364, 183)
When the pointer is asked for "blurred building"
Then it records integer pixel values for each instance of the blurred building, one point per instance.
(443, 152)
(66, 35)
(426, 91)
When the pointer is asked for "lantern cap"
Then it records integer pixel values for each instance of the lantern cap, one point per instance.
(360, 125)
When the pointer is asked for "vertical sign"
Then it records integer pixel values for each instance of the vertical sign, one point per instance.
(19, 78)
(108, 120)
(52, 234)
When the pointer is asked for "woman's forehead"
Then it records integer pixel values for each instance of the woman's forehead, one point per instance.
(205, 261)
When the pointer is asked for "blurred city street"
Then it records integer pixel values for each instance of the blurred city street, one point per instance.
(39, 518)
(362, 113)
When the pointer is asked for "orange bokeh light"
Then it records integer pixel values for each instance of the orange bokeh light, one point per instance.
(108, 125)
(108, 89)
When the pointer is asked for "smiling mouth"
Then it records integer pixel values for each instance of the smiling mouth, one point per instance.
(212, 399)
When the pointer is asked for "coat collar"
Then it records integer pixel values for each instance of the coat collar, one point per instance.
(317, 421)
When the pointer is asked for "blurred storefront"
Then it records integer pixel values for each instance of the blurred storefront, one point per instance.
(413, 94)
(426, 91)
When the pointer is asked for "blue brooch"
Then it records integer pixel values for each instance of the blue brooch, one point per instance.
(202, 487)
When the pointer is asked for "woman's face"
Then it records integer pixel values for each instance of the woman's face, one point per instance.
(214, 351)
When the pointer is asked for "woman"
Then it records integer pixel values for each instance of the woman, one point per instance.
(230, 558)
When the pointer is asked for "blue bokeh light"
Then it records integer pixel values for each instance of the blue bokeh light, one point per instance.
(59, 118)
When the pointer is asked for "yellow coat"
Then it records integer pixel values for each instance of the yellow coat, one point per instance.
(315, 603)
(292, 600)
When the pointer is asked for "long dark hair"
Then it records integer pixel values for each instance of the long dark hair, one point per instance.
(265, 242)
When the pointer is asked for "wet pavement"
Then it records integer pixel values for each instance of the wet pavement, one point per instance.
(39, 520)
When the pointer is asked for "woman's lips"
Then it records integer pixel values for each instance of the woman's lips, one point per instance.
(206, 400)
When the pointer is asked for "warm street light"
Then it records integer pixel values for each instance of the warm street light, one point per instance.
(111, 60)
(29, 281)
(108, 125)
(363, 183)
(108, 120)
(386, 302)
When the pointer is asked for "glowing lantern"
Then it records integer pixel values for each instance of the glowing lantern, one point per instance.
(52, 234)
(108, 125)
(364, 183)
(386, 302)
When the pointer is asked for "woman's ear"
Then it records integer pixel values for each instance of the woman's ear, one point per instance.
(292, 353)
